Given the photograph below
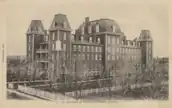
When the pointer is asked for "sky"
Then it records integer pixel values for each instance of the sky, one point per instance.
(131, 16)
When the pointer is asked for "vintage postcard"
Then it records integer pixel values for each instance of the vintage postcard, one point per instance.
(86, 51)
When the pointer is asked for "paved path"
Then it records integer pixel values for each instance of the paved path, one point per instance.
(22, 94)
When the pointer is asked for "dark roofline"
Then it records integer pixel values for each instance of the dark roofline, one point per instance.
(60, 14)
(86, 43)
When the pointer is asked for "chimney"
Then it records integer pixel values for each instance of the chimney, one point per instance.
(87, 19)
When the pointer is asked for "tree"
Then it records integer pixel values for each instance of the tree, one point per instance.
(155, 78)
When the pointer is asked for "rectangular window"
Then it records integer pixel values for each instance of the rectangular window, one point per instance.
(108, 49)
(113, 50)
(123, 57)
(83, 56)
(52, 56)
(64, 47)
(96, 58)
(89, 29)
(100, 57)
(88, 48)
(100, 49)
(117, 40)
(96, 49)
(122, 50)
(127, 50)
(92, 48)
(74, 55)
(92, 57)
(79, 48)
(149, 52)
(97, 28)
(82, 31)
(29, 56)
(83, 48)
(117, 57)
(107, 39)
(53, 36)
(113, 39)
(29, 38)
(108, 58)
(53, 46)
(64, 37)
(88, 57)
(74, 47)
(29, 47)
(113, 58)
(79, 57)
(58, 35)
(117, 49)
(46, 38)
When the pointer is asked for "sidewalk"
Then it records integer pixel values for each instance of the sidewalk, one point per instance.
(22, 94)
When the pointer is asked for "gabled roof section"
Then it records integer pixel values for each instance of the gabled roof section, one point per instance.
(36, 26)
(61, 21)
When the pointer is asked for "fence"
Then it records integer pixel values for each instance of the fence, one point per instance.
(57, 96)
(42, 94)
(106, 89)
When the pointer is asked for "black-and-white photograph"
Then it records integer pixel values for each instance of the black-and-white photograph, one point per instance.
(86, 50)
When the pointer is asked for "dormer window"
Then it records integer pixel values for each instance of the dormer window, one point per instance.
(123, 42)
(117, 40)
(39, 29)
(134, 43)
(131, 43)
(98, 40)
(82, 30)
(55, 24)
(46, 38)
(36, 29)
(31, 29)
(64, 37)
(89, 29)
(72, 37)
(90, 39)
(53, 36)
(97, 27)
(82, 38)
(29, 38)
(114, 28)
(64, 24)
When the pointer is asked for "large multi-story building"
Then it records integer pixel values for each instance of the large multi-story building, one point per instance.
(97, 46)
